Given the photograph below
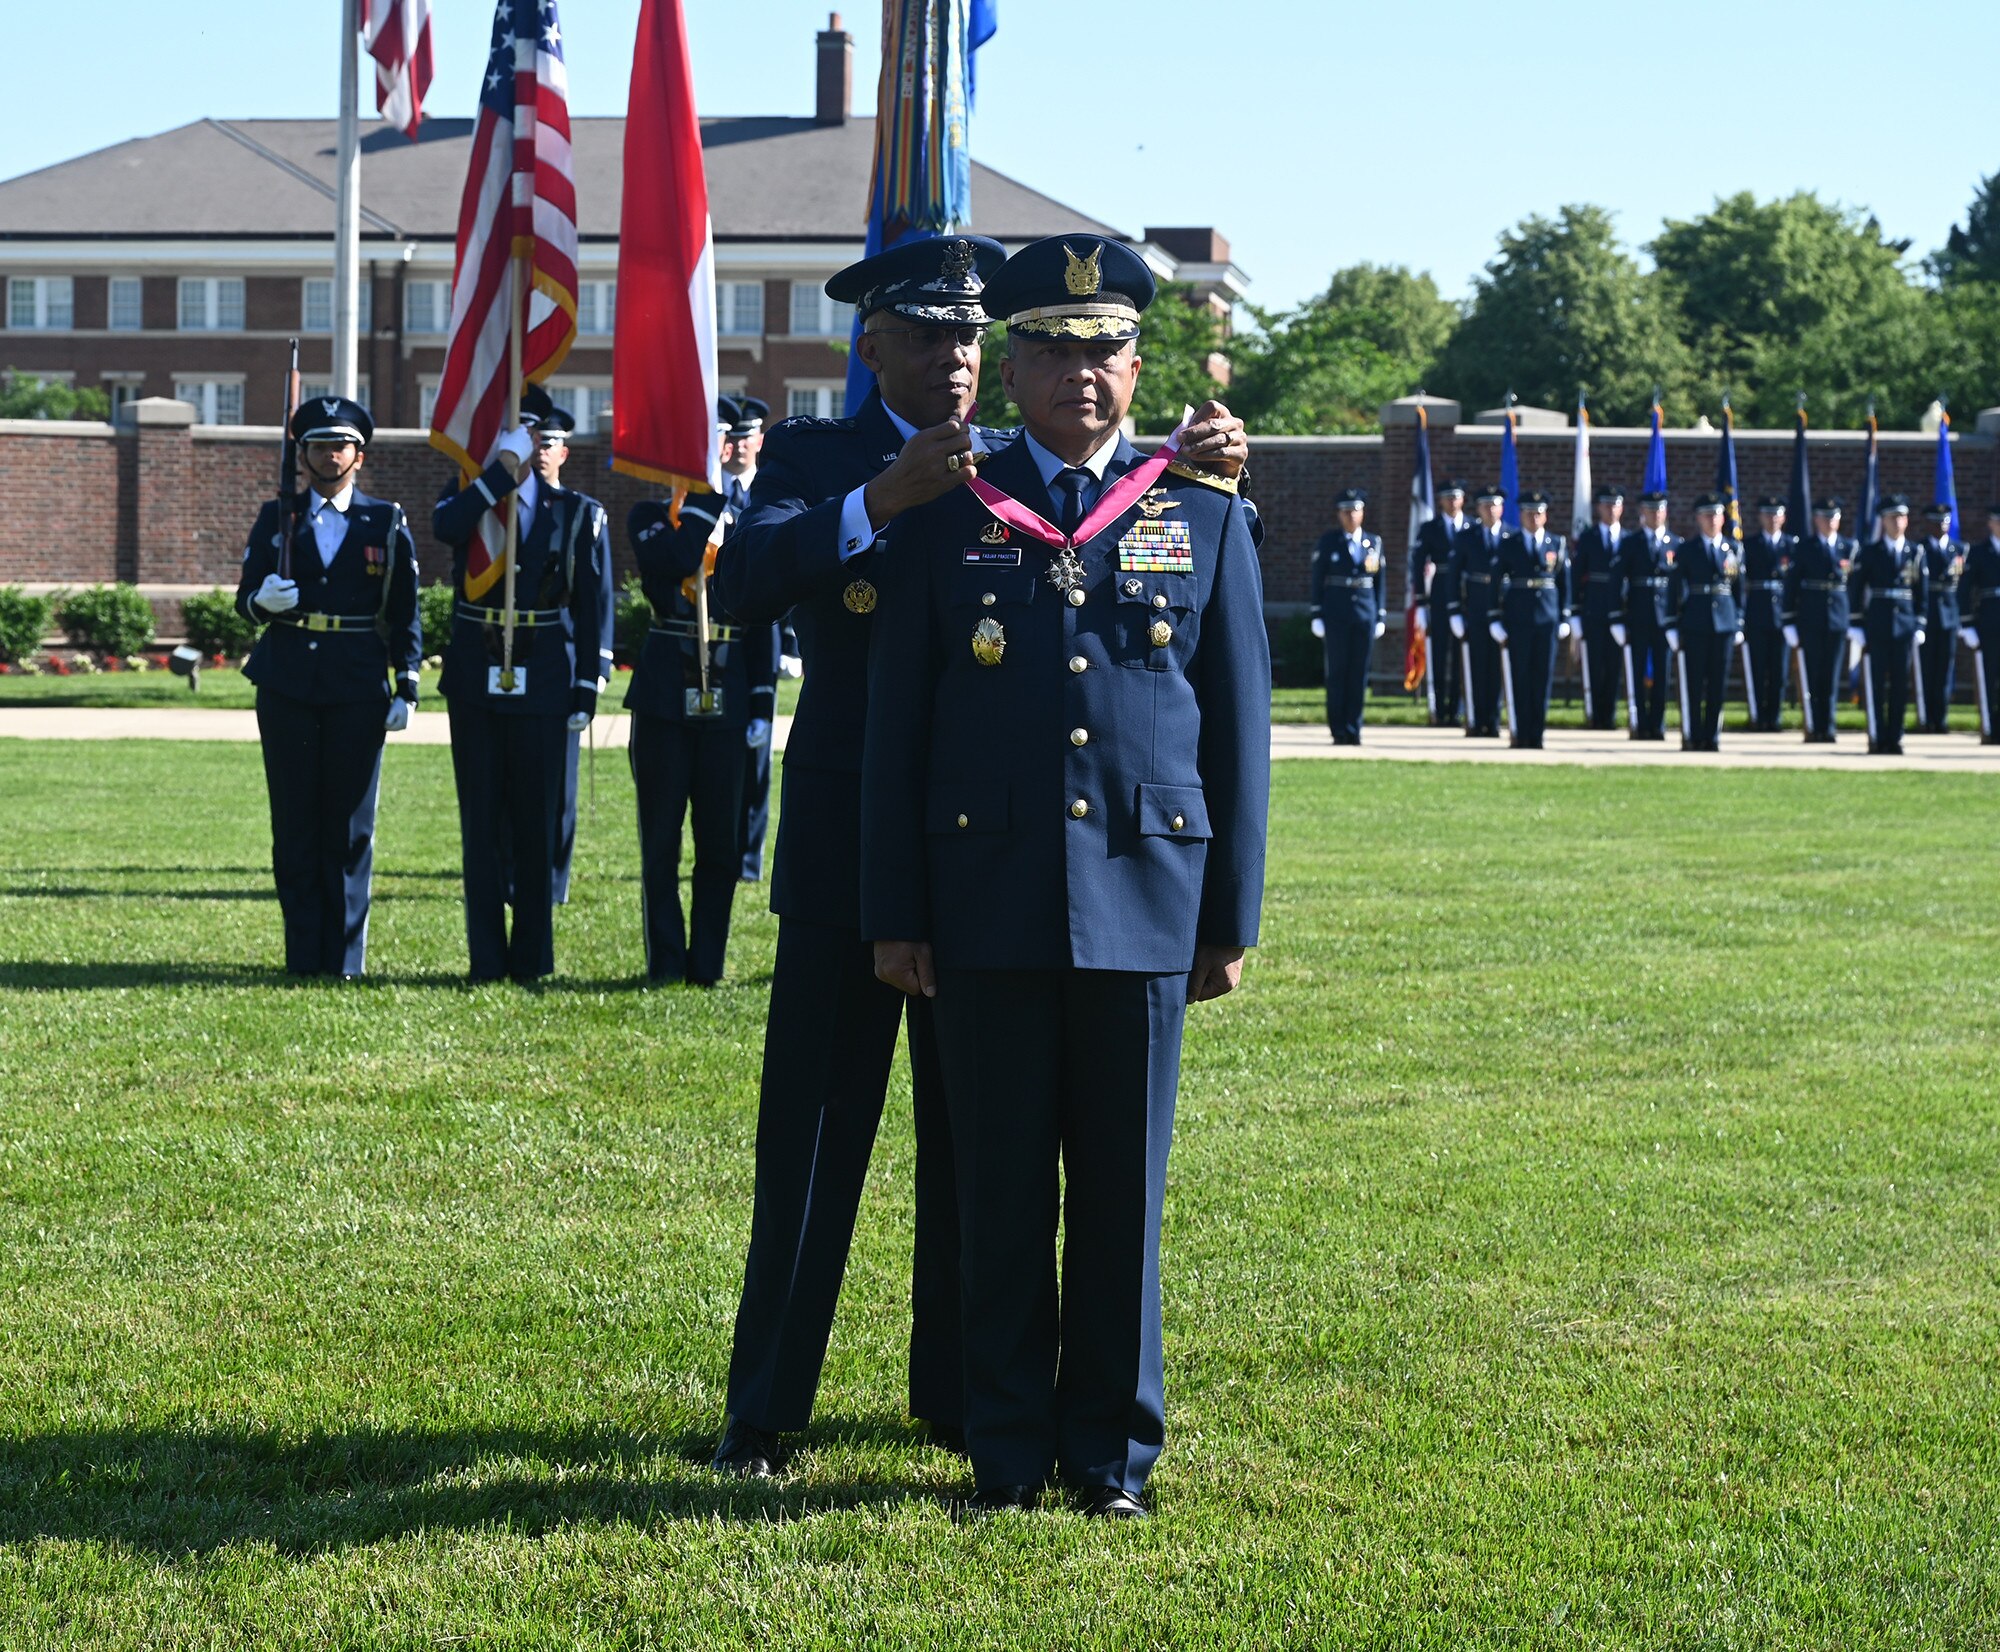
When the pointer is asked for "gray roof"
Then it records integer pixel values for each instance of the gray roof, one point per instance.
(770, 178)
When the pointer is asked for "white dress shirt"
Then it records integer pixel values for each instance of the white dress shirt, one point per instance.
(857, 533)
(329, 522)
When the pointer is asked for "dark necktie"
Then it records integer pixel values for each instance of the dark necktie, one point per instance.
(1068, 489)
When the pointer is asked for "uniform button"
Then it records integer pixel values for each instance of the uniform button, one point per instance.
(1179, 822)
(1078, 663)
(1079, 737)
(963, 822)
(1159, 599)
(1076, 598)
(310, 646)
(987, 600)
(1079, 808)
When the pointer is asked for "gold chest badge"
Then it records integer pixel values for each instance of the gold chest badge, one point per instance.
(859, 597)
(989, 641)
(1372, 563)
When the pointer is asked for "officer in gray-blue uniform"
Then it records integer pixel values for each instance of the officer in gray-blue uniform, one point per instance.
(1534, 615)
(1816, 616)
(1937, 657)
(1979, 610)
(695, 710)
(1767, 560)
(1066, 781)
(1701, 598)
(332, 574)
(511, 718)
(1646, 558)
(1597, 589)
(1429, 584)
(1473, 582)
(1349, 597)
(1887, 596)
(743, 419)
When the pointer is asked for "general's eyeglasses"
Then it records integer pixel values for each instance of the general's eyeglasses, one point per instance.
(933, 338)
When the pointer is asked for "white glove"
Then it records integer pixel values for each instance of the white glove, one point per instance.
(1418, 621)
(1856, 637)
(1737, 640)
(518, 443)
(277, 595)
(1381, 629)
(1618, 633)
(1970, 636)
(792, 666)
(1319, 626)
(1458, 627)
(757, 733)
(578, 721)
(1791, 636)
(399, 715)
(1562, 631)
(1674, 640)
(1856, 644)
(1497, 632)
(1919, 639)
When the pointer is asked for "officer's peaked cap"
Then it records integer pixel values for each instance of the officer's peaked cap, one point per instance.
(332, 419)
(1349, 499)
(1072, 286)
(939, 279)
(539, 411)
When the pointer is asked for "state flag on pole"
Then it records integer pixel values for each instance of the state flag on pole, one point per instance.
(397, 34)
(1656, 456)
(519, 204)
(1580, 485)
(663, 425)
(1510, 470)
(1946, 491)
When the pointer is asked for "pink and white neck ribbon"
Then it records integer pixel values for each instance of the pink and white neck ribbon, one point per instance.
(1116, 500)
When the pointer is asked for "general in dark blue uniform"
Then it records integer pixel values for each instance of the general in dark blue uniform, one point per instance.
(1534, 615)
(1473, 601)
(1701, 598)
(1429, 585)
(1888, 596)
(1979, 609)
(1937, 655)
(1597, 588)
(1646, 560)
(511, 716)
(1349, 597)
(1767, 561)
(1063, 823)
(696, 706)
(332, 573)
(1816, 616)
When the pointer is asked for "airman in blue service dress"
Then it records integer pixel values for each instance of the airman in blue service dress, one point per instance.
(1937, 657)
(1350, 574)
(1534, 615)
(1979, 608)
(1767, 561)
(1701, 598)
(689, 733)
(331, 574)
(745, 417)
(1597, 588)
(509, 731)
(1473, 582)
(1646, 559)
(1066, 780)
(1887, 596)
(1429, 559)
(1816, 617)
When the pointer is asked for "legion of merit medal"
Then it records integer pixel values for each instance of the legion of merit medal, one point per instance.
(1066, 572)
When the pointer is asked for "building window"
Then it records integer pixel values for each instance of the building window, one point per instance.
(814, 401)
(215, 401)
(211, 304)
(123, 389)
(309, 388)
(814, 315)
(316, 306)
(426, 306)
(427, 393)
(125, 306)
(41, 303)
(740, 308)
(589, 402)
(596, 306)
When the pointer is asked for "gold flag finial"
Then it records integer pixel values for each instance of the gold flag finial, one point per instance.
(1084, 276)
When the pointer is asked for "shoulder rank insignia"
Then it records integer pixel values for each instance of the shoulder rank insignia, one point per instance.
(1208, 479)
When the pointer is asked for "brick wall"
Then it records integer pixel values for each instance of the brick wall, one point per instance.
(64, 492)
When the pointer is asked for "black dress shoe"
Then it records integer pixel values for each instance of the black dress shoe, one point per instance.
(1110, 1503)
(998, 1500)
(745, 1451)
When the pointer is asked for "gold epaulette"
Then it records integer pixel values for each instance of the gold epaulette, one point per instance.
(1207, 478)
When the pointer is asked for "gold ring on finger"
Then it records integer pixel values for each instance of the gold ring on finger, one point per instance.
(953, 460)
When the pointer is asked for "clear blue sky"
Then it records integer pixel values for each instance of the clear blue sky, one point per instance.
(1313, 133)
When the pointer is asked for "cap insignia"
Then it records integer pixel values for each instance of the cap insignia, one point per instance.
(1083, 276)
(957, 261)
(331, 404)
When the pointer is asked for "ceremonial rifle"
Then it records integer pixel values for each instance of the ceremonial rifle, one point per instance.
(288, 468)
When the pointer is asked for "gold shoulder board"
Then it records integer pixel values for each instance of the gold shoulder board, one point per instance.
(1207, 478)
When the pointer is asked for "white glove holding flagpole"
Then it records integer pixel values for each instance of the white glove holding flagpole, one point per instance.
(1319, 627)
(1618, 633)
(516, 444)
(1497, 632)
(1791, 636)
(1458, 627)
(1674, 640)
(1381, 629)
(1563, 631)
(1971, 637)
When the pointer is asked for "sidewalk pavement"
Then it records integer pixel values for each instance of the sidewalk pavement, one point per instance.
(1929, 753)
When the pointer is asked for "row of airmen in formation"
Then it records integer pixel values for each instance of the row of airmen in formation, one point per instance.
(1494, 602)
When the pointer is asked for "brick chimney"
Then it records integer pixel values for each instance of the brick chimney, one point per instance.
(835, 100)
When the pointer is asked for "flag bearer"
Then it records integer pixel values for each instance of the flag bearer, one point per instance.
(1937, 655)
(1534, 614)
(1646, 562)
(1597, 589)
(1887, 596)
(1980, 611)
(1816, 616)
(1473, 581)
(1431, 590)
(1349, 598)
(1701, 598)
(1767, 559)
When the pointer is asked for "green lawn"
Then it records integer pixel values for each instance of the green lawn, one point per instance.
(1584, 1231)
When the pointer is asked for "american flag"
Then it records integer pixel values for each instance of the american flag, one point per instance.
(397, 34)
(519, 205)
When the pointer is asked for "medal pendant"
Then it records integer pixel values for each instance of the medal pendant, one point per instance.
(1066, 572)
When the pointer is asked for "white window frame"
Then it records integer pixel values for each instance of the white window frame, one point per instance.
(427, 395)
(137, 286)
(439, 289)
(122, 387)
(824, 317)
(596, 308)
(310, 389)
(51, 303)
(209, 400)
(732, 300)
(827, 395)
(365, 305)
(208, 292)
(588, 399)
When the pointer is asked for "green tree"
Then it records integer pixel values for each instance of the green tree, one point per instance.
(1972, 252)
(1400, 313)
(28, 397)
(1562, 309)
(1780, 296)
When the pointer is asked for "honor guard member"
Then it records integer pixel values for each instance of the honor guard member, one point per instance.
(1473, 585)
(332, 574)
(743, 420)
(1701, 598)
(1767, 560)
(1646, 560)
(1979, 607)
(1598, 589)
(1066, 780)
(1534, 615)
(1816, 617)
(696, 706)
(1349, 598)
(1937, 656)
(1428, 563)
(1887, 597)
(511, 721)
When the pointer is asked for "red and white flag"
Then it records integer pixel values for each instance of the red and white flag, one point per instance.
(663, 353)
(397, 34)
(519, 207)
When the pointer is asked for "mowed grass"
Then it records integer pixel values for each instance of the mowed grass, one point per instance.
(1583, 1232)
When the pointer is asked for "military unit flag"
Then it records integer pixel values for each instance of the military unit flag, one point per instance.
(1580, 486)
(1871, 481)
(397, 35)
(1510, 469)
(1946, 491)
(1423, 506)
(1798, 503)
(1656, 456)
(1725, 477)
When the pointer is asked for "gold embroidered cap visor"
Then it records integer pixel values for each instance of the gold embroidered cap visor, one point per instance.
(1114, 318)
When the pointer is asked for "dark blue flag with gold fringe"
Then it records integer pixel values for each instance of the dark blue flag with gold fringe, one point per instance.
(1798, 503)
(1725, 477)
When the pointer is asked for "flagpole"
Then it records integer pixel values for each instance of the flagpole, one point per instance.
(515, 285)
(347, 207)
